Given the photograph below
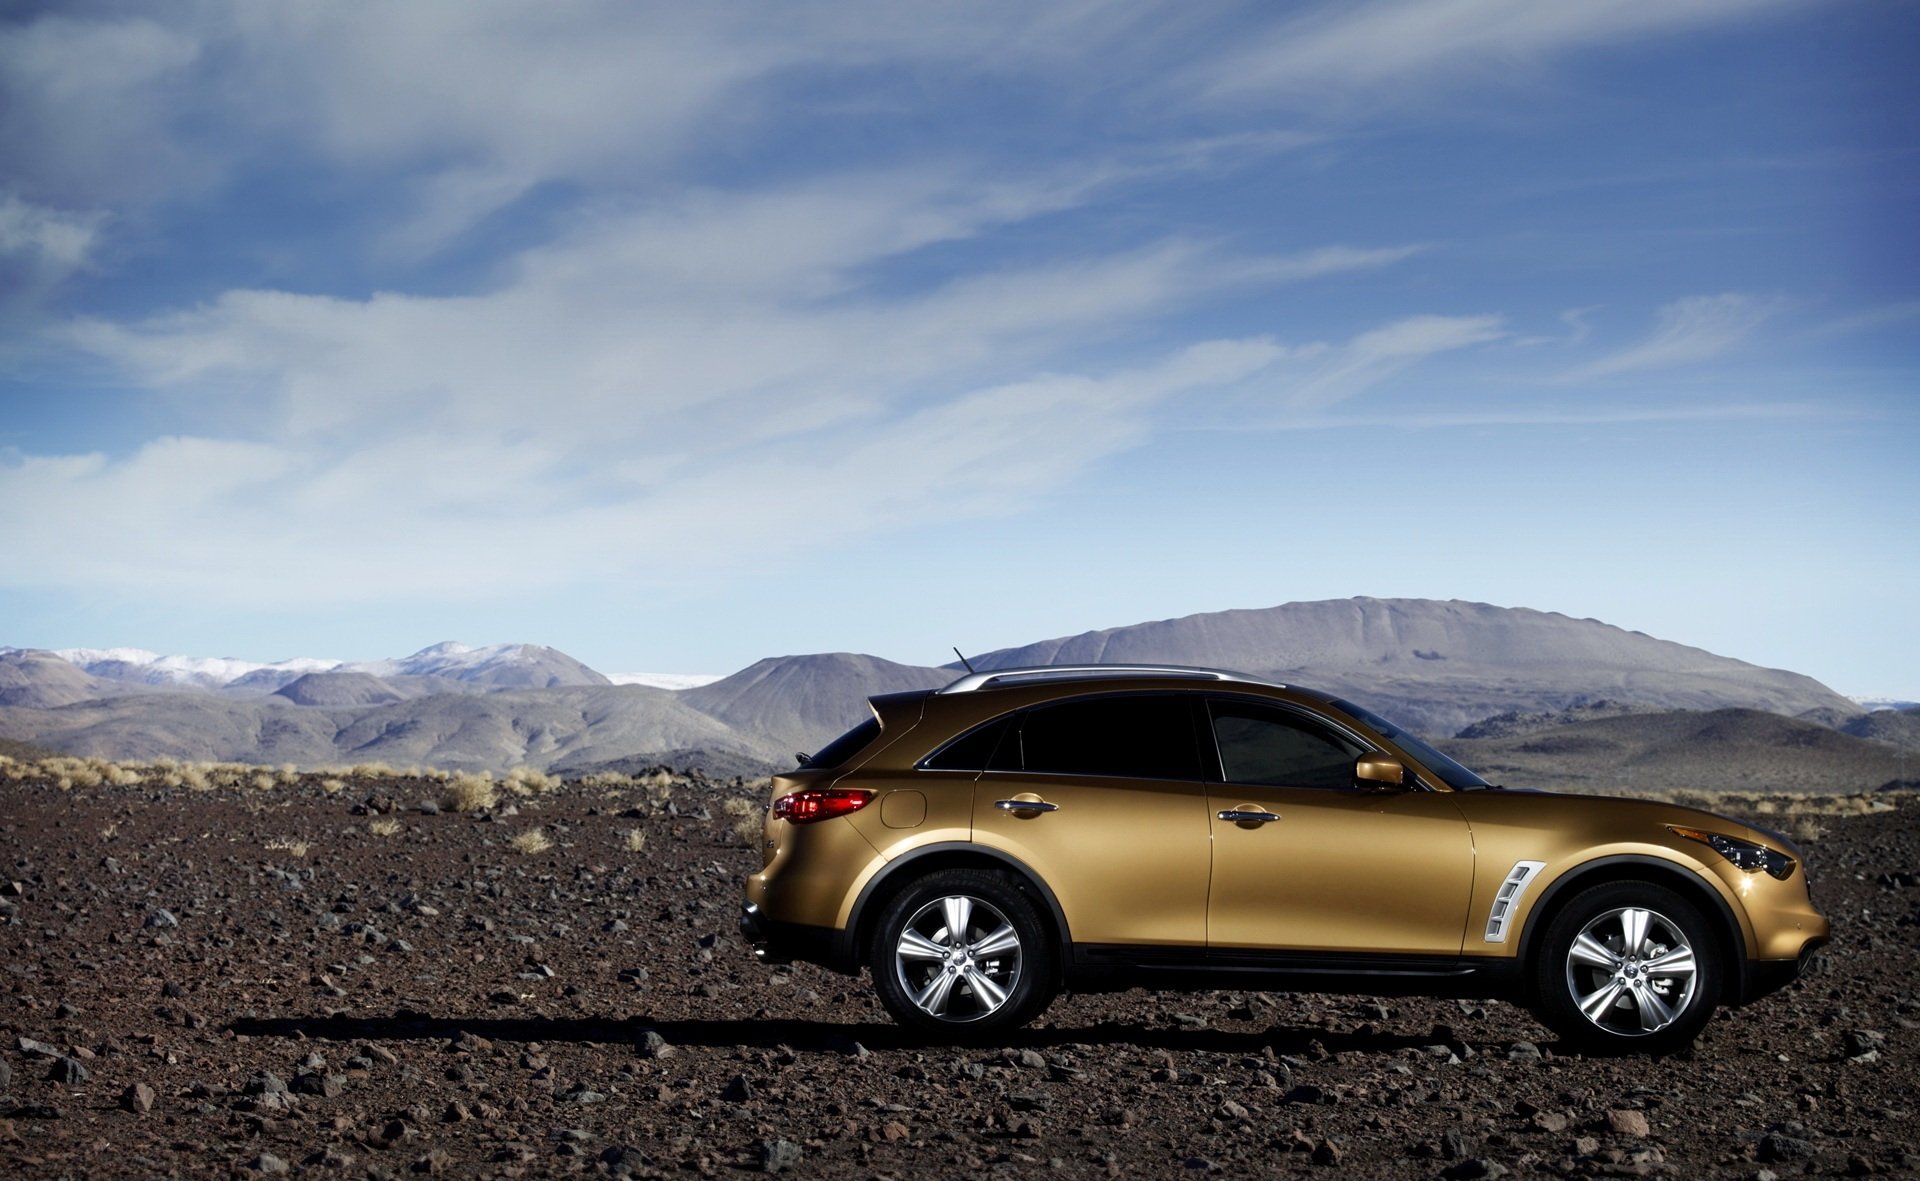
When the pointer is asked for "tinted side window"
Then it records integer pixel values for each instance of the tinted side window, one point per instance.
(1274, 747)
(1141, 737)
(973, 751)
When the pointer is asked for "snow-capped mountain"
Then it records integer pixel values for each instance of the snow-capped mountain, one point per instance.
(675, 681)
(141, 667)
(496, 666)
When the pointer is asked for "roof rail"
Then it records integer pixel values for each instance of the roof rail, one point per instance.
(1003, 676)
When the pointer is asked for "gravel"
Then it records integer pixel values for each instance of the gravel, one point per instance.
(590, 1010)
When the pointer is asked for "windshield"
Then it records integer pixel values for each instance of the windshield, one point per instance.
(1454, 775)
(842, 748)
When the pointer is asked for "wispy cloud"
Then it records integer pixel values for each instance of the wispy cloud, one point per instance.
(1392, 49)
(1375, 355)
(40, 246)
(1690, 330)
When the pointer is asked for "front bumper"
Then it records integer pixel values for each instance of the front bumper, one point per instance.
(1762, 977)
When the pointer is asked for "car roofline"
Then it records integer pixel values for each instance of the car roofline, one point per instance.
(1032, 674)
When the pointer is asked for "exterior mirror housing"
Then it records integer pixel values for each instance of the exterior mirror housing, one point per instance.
(1379, 770)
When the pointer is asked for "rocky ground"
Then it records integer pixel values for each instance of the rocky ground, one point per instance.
(256, 981)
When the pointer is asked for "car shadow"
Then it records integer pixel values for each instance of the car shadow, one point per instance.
(813, 1036)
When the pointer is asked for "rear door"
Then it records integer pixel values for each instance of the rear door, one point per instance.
(1304, 861)
(1102, 797)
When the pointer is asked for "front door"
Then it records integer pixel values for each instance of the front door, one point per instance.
(1307, 862)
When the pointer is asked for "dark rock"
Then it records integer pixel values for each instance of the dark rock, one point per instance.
(1474, 1167)
(269, 1164)
(138, 1098)
(38, 1049)
(161, 920)
(69, 1071)
(1523, 1052)
(652, 1045)
(1777, 1147)
(265, 1083)
(435, 1162)
(738, 1090)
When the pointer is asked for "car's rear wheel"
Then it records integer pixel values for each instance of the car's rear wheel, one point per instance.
(1627, 968)
(963, 953)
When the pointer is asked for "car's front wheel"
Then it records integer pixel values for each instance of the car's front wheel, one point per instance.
(963, 953)
(1629, 967)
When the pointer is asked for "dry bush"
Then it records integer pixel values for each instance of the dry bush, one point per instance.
(288, 845)
(386, 826)
(749, 818)
(263, 781)
(613, 781)
(333, 786)
(1807, 830)
(467, 792)
(525, 781)
(531, 841)
(636, 840)
(371, 771)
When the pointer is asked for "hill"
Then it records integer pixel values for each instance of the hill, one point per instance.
(1439, 666)
(1727, 749)
(799, 703)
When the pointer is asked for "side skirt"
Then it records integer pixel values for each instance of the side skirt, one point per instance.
(1112, 967)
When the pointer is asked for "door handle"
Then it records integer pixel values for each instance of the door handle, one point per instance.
(1025, 806)
(1248, 816)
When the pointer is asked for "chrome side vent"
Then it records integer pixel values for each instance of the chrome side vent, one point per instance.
(1508, 899)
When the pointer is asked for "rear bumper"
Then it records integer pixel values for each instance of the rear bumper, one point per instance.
(775, 942)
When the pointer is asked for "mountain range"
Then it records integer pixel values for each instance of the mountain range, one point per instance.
(1439, 667)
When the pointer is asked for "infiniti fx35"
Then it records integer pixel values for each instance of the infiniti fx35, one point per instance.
(979, 847)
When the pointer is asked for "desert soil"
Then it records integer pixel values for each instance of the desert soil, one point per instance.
(179, 998)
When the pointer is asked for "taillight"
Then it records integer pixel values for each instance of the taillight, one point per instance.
(805, 807)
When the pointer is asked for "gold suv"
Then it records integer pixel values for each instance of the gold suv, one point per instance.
(981, 846)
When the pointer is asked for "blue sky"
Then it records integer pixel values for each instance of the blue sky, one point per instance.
(675, 336)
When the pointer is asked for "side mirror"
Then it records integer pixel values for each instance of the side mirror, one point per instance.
(1379, 770)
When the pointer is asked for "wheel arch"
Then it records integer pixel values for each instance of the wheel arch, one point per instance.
(902, 871)
(1727, 937)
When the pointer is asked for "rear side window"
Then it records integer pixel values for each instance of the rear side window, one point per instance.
(843, 748)
(974, 750)
(1140, 737)
(1279, 748)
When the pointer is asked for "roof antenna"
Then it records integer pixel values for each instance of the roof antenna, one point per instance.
(963, 658)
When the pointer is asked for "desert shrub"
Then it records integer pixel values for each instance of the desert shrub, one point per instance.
(531, 841)
(371, 771)
(332, 785)
(525, 781)
(288, 845)
(386, 826)
(467, 792)
(636, 840)
(749, 818)
(263, 781)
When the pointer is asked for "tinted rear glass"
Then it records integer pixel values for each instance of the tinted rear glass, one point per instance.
(1141, 737)
(834, 753)
(972, 751)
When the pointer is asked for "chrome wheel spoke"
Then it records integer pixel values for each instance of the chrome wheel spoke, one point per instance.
(933, 998)
(1596, 1004)
(915, 946)
(1676, 964)
(991, 995)
(958, 911)
(1633, 931)
(1591, 952)
(1003, 940)
(1654, 1013)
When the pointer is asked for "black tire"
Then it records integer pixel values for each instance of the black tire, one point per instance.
(1607, 997)
(999, 975)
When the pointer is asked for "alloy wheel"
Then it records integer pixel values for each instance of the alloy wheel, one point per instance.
(958, 958)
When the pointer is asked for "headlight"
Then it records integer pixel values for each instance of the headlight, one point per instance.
(1745, 854)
